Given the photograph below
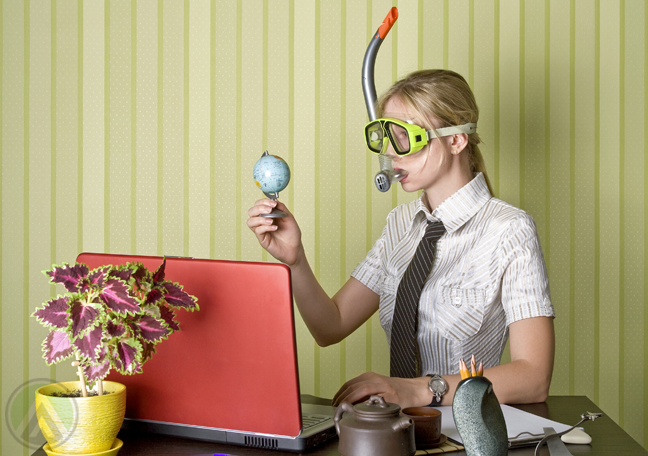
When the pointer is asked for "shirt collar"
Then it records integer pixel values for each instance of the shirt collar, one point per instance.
(456, 210)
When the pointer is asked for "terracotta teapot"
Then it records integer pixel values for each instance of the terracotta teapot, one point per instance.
(375, 428)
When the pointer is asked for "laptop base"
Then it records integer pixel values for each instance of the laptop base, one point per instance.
(315, 436)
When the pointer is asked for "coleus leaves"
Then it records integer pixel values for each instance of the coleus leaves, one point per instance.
(111, 316)
(116, 296)
(77, 278)
(84, 316)
(89, 345)
(128, 354)
(151, 329)
(54, 313)
(176, 297)
(57, 347)
(69, 276)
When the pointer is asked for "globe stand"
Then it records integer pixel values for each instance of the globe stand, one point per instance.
(276, 213)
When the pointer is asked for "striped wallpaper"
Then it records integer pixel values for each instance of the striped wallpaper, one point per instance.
(133, 126)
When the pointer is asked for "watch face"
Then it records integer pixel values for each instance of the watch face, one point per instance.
(438, 385)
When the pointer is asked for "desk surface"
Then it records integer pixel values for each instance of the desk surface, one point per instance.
(607, 437)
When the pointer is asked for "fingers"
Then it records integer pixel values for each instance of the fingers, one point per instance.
(342, 393)
(261, 225)
(362, 387)
(405, 392)
(262, 206)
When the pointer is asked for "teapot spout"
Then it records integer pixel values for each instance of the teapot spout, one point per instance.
(402, 423)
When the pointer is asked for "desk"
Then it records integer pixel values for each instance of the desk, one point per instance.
(608, 438)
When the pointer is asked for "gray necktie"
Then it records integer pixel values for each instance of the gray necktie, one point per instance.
(405, 322)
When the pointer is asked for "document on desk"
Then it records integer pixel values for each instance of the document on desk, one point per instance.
(517, 422)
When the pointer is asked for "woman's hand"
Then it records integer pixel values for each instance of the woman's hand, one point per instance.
(406, 392)
(281, 237)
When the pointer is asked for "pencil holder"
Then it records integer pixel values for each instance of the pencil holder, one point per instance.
(479, 418)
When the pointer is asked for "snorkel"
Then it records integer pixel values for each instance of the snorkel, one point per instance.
(387, 175)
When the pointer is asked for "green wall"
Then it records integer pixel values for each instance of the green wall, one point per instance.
(133, 127)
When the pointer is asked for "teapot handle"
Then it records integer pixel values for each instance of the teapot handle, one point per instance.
(343, 407)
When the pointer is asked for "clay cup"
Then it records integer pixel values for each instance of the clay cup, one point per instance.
(427, 426)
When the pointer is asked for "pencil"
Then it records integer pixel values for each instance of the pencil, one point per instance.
(480, 370)
(463, 370)
(473, 370)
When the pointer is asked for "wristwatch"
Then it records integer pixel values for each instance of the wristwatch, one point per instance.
(438, 386)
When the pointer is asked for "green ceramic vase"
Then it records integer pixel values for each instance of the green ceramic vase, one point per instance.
(479, 418)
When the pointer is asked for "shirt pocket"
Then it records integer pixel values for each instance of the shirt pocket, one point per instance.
(460, 312)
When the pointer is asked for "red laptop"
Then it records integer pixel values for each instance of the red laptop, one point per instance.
(230, 374)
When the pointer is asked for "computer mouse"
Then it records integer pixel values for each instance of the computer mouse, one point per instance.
(577, 436)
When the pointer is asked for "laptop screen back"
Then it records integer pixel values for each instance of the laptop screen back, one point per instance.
(233, 364)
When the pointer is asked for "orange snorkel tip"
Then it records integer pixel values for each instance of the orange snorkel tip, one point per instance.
(368, 84)
(387, 24)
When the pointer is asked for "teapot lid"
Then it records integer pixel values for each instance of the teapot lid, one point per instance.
(377, 406)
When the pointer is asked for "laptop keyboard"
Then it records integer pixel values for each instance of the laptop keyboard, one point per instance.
(309, 421)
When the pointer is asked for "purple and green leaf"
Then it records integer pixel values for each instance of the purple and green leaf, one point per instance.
(69, 276)
(151, 329)
(115, 295)
(115, 329)
(153, 296)
(56, 347)
(168, 315)
(148, 349)
(94, 280)
(126, 356)
(54, 313)
(158, 276)
(95, 372)
(123, 274)
(140, 274)
(89, 345)
(175, 296)
(84, 316)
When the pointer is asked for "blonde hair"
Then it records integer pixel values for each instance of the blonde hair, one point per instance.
(446, 96)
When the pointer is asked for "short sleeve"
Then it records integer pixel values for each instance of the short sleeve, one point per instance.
(370, 271)
(525, 284)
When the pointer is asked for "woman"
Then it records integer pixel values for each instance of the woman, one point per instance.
(488, 281)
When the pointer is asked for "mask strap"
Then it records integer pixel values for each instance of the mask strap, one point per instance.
(468, 129)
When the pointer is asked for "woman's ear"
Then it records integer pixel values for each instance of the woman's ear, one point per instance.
(458, 143)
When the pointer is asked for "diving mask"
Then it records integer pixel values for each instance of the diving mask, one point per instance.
(405, 137)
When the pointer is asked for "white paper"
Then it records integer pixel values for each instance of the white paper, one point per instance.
(517, 421)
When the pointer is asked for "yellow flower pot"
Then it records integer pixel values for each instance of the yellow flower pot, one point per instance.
(80, 425)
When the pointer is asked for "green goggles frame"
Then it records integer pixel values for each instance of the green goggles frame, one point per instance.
(405, 137)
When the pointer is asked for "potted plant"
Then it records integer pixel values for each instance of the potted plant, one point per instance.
(111, 317)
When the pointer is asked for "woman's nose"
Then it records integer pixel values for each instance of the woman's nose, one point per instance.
(391, 154)
(389, 151)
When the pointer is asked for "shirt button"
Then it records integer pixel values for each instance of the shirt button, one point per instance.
(457, 300)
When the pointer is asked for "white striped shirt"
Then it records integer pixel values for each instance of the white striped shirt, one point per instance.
(488, 272)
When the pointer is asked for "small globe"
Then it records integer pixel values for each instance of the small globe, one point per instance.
(271, 174)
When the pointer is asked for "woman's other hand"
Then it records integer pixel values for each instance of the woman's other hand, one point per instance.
(406, 392)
